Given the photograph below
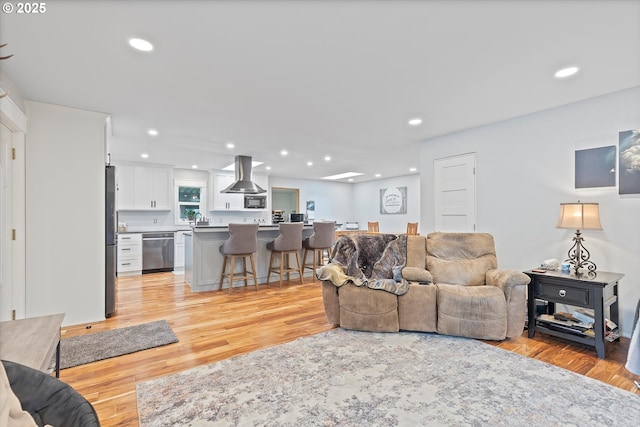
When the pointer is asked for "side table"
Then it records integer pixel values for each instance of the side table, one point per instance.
(32, 342)
(596, 290)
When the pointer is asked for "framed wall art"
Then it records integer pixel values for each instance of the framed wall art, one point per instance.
(596, 167)
(629, 161)
(393, 200)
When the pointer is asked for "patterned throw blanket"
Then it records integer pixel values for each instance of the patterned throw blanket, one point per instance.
(371, 260)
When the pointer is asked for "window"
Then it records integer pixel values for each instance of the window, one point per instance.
(190, 200)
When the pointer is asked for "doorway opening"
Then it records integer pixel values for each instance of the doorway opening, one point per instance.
(285, 200)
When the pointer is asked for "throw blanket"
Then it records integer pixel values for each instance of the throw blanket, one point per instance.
(371, 260)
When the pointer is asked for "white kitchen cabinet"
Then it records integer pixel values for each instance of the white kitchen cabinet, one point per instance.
(143, 187)
(223, 201)
(124, 187)
(129, 254)
(219, 180)
(178, 255)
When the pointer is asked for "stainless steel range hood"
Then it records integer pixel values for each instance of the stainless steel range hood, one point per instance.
(243, 184)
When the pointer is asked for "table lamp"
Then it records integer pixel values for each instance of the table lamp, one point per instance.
(579, 216)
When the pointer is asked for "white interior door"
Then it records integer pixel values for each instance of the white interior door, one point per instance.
(455, 193)
(13, 126)
(6, 259)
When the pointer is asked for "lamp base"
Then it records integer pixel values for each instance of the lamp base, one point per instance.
(579, 255)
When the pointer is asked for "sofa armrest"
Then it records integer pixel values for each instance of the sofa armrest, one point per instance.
(331, 302)
(417, 274)
(506, 280)
(513, 284)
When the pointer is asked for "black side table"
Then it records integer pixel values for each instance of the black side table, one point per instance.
(597, 291)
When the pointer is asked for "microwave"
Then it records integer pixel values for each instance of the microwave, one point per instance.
(255, 202)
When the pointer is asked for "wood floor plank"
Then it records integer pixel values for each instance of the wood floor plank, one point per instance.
(212, 326)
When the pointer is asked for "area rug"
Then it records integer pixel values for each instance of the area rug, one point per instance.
(96, 346)
(347, 378)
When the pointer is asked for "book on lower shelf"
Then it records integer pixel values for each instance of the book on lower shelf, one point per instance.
(568, 326)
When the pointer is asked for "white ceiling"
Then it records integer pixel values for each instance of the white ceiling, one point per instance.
(338, 78)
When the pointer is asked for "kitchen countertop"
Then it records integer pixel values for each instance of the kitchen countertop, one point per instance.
(212, 227)
(154, 230)
(226, 227)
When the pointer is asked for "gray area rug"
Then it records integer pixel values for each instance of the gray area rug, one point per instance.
(96, 346)
(347, 378)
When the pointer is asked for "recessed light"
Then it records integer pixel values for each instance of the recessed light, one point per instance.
(378, 175)
(152, 132)
(566, 72)
(309, 163)
(194, 166)
(284, 152)
(144, 155)
(350, 180)
(268, 168)
(412, 169)
(230, 145)
(141, 44)
(327, 158)
(415, 121)
(342, 175)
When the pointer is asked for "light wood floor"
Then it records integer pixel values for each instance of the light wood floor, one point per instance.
(212, 326)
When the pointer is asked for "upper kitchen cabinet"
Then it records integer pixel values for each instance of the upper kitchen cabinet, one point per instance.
(218, 201)
(218, 181)
(143, 187)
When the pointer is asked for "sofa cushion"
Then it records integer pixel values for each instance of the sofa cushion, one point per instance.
(471, 311)
(460, 258)
(365, 309)
(417, 308)
(416, 251)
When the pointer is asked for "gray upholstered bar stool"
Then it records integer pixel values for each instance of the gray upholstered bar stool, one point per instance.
(319, 242)
(242, 243)
(288, 242)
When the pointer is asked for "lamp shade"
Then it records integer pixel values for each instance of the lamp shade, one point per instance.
(579, 216)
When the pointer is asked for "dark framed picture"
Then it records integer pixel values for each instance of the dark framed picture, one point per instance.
(596, 167)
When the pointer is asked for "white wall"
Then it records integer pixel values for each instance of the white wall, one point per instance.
(360, 202)
(65, 213)
(525, 169)
(334, 200)
(366, 204)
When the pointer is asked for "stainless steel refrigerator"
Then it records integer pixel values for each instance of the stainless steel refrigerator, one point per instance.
(110, 237)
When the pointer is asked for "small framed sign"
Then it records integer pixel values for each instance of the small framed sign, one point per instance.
(393, 200)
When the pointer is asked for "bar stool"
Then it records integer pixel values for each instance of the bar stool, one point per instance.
(320, 241)
(288, 242)
(372, 227)
(242, 243)
(412, 228)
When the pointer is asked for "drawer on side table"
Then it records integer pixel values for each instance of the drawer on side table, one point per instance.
(553, 291)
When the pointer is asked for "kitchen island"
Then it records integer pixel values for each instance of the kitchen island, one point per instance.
(203, 260)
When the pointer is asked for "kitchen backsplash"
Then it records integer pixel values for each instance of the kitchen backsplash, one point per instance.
(163, 220)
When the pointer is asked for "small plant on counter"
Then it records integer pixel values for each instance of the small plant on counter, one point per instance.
(191, 214)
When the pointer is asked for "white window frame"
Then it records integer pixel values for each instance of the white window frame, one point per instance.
(177, 203)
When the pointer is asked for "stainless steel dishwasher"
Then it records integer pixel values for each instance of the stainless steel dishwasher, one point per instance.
(157, 252)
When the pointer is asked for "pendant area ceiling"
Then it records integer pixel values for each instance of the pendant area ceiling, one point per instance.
(334, 78)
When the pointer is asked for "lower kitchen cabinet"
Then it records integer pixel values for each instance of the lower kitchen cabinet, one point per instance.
(129, 258)
(178, 252)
